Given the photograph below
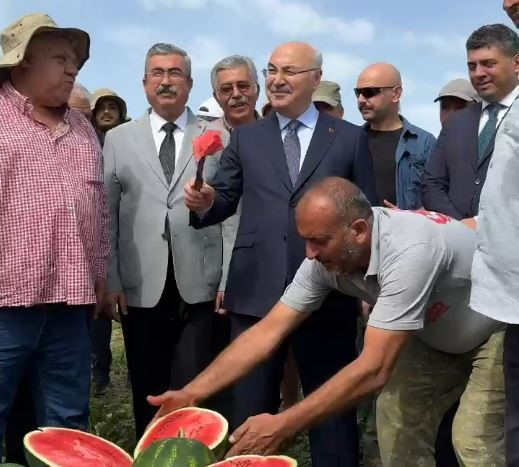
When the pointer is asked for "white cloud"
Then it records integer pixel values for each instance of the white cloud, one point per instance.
(132, 35)
(425, 116)
(339, 66)
(301, 19)
(294, 19)
(444, 44)
(205, 51)
(450, 75)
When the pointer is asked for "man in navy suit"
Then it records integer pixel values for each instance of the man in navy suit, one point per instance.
(456, 171)
(269, 164)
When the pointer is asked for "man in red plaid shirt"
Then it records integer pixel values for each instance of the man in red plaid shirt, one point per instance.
(53, 223)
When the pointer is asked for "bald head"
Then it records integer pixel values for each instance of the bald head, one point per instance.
(379, 74)
(379, 88)
(294, 72)
(80, 99)
(336, 193)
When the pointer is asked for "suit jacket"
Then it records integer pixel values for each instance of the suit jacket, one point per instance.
(140, 201)
(453, 178)
(268, 250)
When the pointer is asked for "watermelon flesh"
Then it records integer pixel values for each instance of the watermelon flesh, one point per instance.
(63, 447)
(257, 461)
(204, 425)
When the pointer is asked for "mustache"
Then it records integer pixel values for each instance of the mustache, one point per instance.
(238, 100)
(282, 89)
(166, 89)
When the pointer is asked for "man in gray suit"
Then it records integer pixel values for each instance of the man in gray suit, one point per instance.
(163, 275)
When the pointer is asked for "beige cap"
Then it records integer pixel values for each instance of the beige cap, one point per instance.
(15, 38)
(460, 88)
(106, 92)
(328, 92)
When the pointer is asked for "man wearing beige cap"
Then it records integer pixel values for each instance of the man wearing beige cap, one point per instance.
(53, 223)
(456, 95)
(327, 98)
(108, 111)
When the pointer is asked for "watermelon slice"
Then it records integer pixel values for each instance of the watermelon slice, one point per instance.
(257, 461)
(63, 447)
(204, 425)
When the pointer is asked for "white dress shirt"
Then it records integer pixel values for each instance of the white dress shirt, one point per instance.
(156, 122)
(305, 131)
(506, 102)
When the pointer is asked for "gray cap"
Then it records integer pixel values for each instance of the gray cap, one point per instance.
(460, 88)
(328, 92)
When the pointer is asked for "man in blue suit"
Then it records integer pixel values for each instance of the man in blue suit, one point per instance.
(456, 171)
(269, 164)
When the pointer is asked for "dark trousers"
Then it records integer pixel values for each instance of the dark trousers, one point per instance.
(101, 353)
(443, 448)
(324, 344)
(166, 347)
(511, 368)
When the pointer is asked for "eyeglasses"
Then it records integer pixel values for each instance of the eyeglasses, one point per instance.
(227, 89)
(175, 74)
(370, 92)
(271, 71)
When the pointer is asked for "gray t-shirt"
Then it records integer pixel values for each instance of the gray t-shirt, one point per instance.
(418, 279)
(495, 270)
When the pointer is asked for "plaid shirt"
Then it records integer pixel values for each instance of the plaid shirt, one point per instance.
(53, 213)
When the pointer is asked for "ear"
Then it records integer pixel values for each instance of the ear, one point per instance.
(397, 93)
(516, 63)
(190, 83)
(258, 89)
(361, 228)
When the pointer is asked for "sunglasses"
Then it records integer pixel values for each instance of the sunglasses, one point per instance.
(367, 93)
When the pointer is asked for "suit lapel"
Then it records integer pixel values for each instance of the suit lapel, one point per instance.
(194, 128)
(472, 139)
(273, 145)
(323, 136)
(146, 145)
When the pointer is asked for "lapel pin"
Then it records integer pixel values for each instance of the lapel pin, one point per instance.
(330, 130)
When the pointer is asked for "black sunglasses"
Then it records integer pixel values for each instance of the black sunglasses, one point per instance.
(367, 93)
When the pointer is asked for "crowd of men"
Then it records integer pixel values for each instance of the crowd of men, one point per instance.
(232, 294)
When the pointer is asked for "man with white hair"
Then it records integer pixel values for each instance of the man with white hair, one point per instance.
(80, 99)
(268, 165)
(236, 89)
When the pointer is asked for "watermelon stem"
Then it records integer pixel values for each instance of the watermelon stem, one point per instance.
(181, 433)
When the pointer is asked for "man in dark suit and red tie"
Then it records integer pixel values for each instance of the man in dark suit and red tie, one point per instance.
(269, 164)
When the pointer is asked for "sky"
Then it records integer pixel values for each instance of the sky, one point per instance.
(423, 39)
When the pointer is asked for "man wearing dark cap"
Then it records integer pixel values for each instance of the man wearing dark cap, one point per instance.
(53, 223)
(456, 95)
(327, 98)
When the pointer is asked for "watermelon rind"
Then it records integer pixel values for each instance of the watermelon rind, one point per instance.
(236, 459)
(175, 452)
(218, 446)
(36, 459)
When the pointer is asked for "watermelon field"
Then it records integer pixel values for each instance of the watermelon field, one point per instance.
(111, 415)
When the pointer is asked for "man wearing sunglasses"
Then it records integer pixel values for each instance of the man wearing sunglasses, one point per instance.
(268, 166)
(399, 149)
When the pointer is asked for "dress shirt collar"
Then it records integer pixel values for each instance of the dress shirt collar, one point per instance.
(507, 101)
(308, 118)
(157, 122)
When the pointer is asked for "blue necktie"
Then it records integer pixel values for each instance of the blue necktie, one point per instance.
(292, 150)
(488, 131)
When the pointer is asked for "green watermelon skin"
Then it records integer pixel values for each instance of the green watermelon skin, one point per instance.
(73, 448)
(175, 452)
(197, 423)
(257, 461)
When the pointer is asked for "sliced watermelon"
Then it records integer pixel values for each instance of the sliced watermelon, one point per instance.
(204, 425)
(63, 447)
(257, 461)
(175, 452)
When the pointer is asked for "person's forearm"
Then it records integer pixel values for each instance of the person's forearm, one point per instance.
(342, 392)
(244, 353)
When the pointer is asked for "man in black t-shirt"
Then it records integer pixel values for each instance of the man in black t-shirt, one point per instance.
(399, 149)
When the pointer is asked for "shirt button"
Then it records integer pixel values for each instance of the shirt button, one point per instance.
(477, 181)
